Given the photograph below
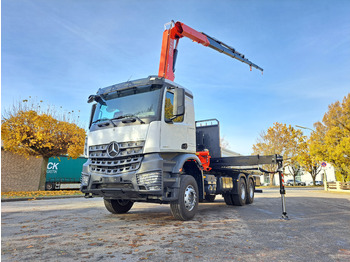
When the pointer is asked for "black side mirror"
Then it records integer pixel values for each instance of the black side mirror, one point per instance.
(96, 98)
(179, 102)
(91, 99)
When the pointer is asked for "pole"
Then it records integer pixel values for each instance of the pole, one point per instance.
(282, 191)
(325, 179)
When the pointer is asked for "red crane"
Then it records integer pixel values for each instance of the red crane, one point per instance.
(171, 37)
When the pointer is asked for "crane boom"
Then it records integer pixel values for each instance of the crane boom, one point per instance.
(170, 41)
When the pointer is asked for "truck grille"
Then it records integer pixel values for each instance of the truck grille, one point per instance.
(116, 158)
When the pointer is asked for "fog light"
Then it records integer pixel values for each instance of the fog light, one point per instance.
(154, 188)
(85, 180)
(152, 180)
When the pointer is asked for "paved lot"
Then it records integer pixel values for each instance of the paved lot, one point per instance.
(83, 230)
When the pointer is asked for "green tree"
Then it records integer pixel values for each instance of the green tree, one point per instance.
(28, 131)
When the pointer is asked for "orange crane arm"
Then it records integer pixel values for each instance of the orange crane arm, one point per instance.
(170, 41)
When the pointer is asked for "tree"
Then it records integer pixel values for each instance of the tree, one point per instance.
(224, 144)
(283, 140)
(307, 161)
(28, 131)
(331, 140)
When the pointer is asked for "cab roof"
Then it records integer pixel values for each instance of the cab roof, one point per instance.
(151, 80)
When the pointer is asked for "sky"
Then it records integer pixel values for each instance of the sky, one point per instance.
(62, 51)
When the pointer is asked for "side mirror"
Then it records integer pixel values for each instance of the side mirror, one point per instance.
(179, 102)
(96, 98)
(91, 99)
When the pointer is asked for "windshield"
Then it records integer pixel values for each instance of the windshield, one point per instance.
(141, 102)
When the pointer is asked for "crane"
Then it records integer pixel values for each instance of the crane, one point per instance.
(171, 36)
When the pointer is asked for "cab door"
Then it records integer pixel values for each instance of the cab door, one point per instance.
(177, 133)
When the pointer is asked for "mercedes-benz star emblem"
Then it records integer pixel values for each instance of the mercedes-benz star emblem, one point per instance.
(113, 149)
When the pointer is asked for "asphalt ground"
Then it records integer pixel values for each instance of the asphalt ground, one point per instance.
(78, 229)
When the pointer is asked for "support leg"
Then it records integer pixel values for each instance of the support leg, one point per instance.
(283, 193)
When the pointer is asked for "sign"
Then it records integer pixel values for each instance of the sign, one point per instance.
(63, 169)
(323, 164)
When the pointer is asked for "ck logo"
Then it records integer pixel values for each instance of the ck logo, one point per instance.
(52, 165)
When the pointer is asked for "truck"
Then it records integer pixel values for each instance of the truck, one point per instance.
(144, 144)
(63, 173)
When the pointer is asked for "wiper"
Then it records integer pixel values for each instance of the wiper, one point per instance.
(130, 116)
(99, 120)
(105, 119)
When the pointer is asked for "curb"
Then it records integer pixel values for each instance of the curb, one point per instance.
(37, 198)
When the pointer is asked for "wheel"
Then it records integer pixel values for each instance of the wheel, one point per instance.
(210, 198)
(118, 206)
(185, 207)
(49, 186)
(250, 191)
(240, 198)
(228, 198)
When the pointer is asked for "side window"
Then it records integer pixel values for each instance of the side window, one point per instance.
(168, 109)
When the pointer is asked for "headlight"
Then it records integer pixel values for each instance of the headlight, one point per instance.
(151, 180)
(85, 180)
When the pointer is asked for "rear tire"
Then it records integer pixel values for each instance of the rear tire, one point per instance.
(228, 198)
(210, 198)
(118, 206)
(185, 207)
(240, 198)
(49, 186)
(250, 192)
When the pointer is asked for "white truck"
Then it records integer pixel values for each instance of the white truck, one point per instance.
(144, 144)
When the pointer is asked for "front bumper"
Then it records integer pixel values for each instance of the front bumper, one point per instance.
(150, 183)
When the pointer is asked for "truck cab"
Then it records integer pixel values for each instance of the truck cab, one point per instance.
(140, 137)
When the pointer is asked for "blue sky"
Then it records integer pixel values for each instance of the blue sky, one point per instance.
(61, 51)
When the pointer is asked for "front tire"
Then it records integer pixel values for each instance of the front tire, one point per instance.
(118, 206)
(185, 207)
